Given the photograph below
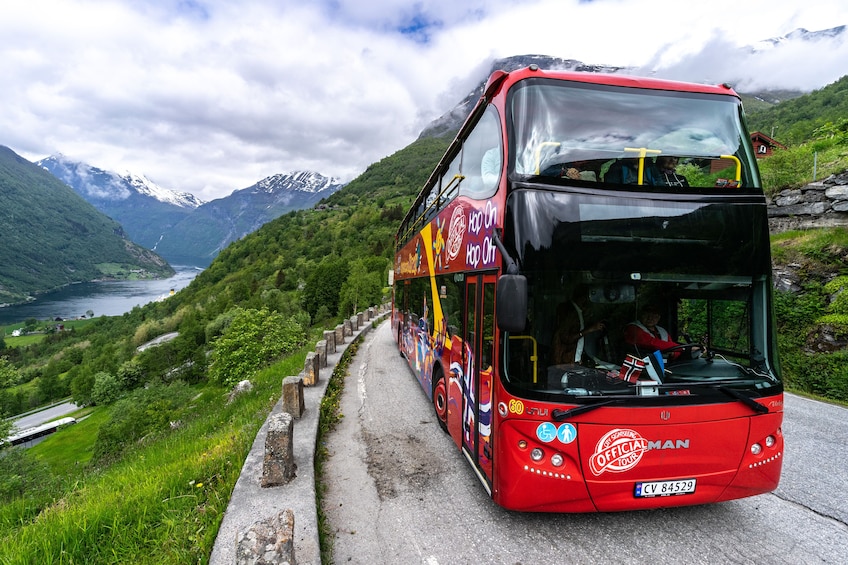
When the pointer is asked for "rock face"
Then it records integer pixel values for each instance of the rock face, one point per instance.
(819, 204)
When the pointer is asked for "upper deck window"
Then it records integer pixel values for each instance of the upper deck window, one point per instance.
(625, 136)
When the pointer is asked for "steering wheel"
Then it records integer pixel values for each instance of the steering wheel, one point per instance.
(689, 348)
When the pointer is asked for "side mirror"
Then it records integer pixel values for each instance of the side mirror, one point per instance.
(512, 303)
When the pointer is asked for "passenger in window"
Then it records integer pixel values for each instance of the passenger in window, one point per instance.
(577, 170)
(574, 329)
(666, 172)
(626, 171)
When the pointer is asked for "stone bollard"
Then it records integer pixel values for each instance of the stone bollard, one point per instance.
(293, 402)
(352, 322)
(360, 320)
(321, 350)
(348, 329)
(278, 467)
(330, 338)
(340, 335)
(267, 541)
(310, 369)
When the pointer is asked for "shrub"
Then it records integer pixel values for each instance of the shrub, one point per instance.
(107, 388)
(254, 339)
(21, 474)
(143, 411)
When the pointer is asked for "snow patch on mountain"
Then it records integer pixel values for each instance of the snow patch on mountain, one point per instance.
(145, 186)
(99, 184)
(799, 34)
(300, 181)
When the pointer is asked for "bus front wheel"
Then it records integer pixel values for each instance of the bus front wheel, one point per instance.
(440, 398)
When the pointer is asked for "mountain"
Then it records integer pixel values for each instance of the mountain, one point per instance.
(799, 34)
(201, 235)
(144, 209)
(51, 237)
(179, 226)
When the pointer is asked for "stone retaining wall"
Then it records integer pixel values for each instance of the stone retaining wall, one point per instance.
(819, 204)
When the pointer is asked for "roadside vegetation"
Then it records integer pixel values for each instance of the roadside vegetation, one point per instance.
(146, 474)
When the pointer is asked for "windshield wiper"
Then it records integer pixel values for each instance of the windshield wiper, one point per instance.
(560, 415)
(746, 400)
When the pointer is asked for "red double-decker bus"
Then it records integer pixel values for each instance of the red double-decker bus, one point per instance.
(583, 289)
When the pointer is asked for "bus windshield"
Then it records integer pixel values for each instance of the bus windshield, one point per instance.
(629, 136)
(626, 290)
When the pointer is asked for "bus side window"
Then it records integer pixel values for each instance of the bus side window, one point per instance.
(482, 157)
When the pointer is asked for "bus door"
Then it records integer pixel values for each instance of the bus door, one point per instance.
(478, 365)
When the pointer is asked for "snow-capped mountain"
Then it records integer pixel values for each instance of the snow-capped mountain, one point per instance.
(98, 184)
(799, 34)
(143, 185)
(216, 224)
(179, 226)
(298, 181)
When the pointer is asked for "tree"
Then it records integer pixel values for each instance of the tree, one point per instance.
(9, 375)
(324, 285)
(107, 388)
(82, 383)
(360, 289)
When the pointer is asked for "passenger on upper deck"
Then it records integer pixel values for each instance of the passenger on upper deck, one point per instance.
(578, 170)
(666, 172)
(626, 171)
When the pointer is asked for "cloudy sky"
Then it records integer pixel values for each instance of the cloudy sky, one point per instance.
(210, 96)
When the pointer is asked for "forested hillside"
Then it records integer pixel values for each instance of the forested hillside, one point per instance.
(50, 236)
(817, 114)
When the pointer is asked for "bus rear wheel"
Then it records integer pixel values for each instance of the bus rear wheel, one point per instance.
(440, 398)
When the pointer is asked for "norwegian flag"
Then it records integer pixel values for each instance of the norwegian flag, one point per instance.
(631, 369)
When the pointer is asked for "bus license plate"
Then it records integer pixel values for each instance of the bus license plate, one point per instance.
(665, 488)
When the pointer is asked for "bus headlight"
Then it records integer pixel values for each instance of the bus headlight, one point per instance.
(770, 441)
(756, 449)
(557, 460)
(537, 454)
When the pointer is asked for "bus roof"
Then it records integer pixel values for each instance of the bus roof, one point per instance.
(630, 81)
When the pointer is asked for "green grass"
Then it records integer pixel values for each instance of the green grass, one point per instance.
(162, 502)
(69, 450)
(41, 328)
(825, 247)
(24, 340)
(800, 165)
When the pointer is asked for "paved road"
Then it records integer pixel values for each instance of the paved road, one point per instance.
(398, 491)
(46, 415)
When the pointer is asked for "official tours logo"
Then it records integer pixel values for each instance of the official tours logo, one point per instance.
(617, 451)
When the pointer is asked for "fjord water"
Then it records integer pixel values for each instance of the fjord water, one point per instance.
(108, 298)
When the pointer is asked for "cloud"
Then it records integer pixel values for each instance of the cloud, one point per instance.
(211, 96)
